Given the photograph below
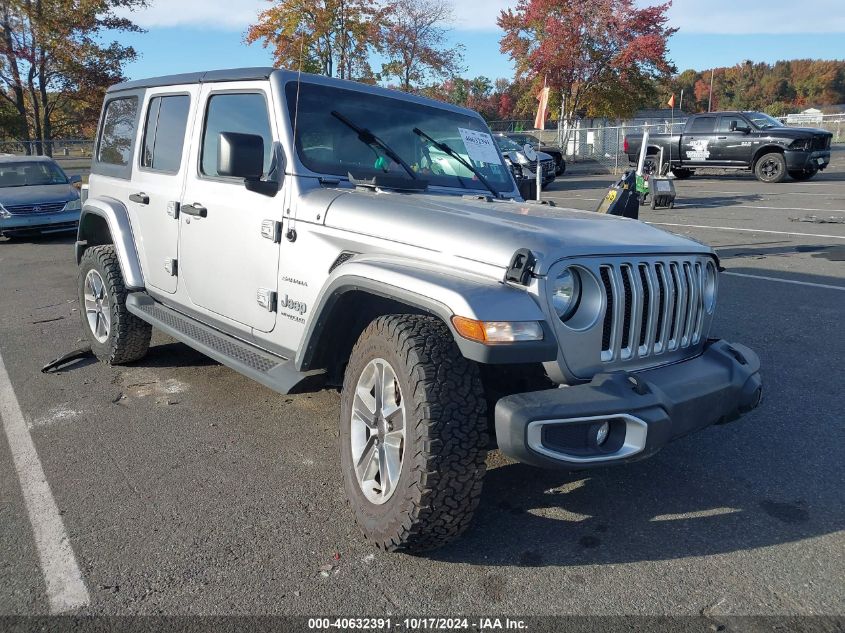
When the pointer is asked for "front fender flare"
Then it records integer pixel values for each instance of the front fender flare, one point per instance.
(120, 230)
(441, 292)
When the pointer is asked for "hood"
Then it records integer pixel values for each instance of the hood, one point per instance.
(37, 194)
(490, 232)
(796, 132)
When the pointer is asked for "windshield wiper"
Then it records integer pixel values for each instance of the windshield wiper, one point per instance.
(448, 150)
(366, 136)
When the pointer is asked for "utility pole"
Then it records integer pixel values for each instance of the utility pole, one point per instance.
(710, 96)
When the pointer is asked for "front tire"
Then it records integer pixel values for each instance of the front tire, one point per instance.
(770, 168)
(413, 434)
(116, 336)
(803, 174)
(682, 173)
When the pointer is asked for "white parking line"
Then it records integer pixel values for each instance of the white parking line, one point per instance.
(731, 228)
(761, 193)
(65, 588)
(717, 205)
(786, 281)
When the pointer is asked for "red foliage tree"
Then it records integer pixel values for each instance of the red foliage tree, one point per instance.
(582, 47)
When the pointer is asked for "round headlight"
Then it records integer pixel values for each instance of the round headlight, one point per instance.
(709, 294)
(566, 292)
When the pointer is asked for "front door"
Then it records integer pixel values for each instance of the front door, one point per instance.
(228, 265)
(732, 146)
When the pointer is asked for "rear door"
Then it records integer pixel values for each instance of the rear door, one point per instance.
(732, 147)
(229, 261)
(698, 140)
(158, 182)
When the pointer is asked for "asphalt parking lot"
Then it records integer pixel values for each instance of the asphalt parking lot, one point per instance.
(185, 488)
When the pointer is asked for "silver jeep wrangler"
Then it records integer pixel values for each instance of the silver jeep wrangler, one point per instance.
(311, 232)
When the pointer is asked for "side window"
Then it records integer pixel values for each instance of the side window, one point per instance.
(164, 133)
(118, 132)
(725, 123)
(703, 125)
(244, 113)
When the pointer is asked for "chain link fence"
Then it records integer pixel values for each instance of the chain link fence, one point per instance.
(601, 145)
(833, 123)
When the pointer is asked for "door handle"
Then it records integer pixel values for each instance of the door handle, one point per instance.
(196, 209)
(140, 198)
(721, 138)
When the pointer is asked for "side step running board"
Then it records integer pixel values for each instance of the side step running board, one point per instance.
(270, 370)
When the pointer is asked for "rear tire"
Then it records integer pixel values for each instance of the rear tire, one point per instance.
(770, 167)
(682, 173)
(116, 335)
(439, 447)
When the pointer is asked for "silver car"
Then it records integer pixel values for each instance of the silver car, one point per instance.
(36, 196)
(308, 231)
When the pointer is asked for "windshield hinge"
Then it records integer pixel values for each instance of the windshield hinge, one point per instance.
(521, 267)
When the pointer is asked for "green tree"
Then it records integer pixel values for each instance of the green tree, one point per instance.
(414, 42)
(327, 37)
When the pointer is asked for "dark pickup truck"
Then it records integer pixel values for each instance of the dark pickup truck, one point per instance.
(738, 140)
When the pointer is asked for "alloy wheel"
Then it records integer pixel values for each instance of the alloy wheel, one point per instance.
(378, 431)
(97, 306)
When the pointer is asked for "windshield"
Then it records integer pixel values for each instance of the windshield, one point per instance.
(28, 173)
(508, 144)
(763, 121)
(326, 145)
(523, 139)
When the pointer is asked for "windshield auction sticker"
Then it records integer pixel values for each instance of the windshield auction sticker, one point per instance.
(480, 146)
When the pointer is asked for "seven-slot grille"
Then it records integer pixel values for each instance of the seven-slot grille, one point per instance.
(652, 307)
(27, 209)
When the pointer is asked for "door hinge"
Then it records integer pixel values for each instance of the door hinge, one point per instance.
(271, 230)
(173, 209)
(267, 299)
(171, 266)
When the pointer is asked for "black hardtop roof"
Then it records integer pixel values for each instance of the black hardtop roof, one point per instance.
(264, 72)
(232, 74)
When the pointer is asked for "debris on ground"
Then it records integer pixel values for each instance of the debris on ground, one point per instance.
(814, 219)
(77, 354)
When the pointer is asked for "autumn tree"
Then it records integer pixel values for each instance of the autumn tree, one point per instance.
(586, 50)
(327, 37)
(54, 59)
(415, 42)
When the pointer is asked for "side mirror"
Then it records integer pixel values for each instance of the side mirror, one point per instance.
(240, 155)
(76, 181)
(513, 157)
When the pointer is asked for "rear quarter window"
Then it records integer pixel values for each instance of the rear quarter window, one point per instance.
(115, 144)
(118, 133)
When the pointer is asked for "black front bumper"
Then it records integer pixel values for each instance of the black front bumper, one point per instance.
(802, 160)
(645, 410)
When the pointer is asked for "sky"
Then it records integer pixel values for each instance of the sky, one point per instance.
(190, 35)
